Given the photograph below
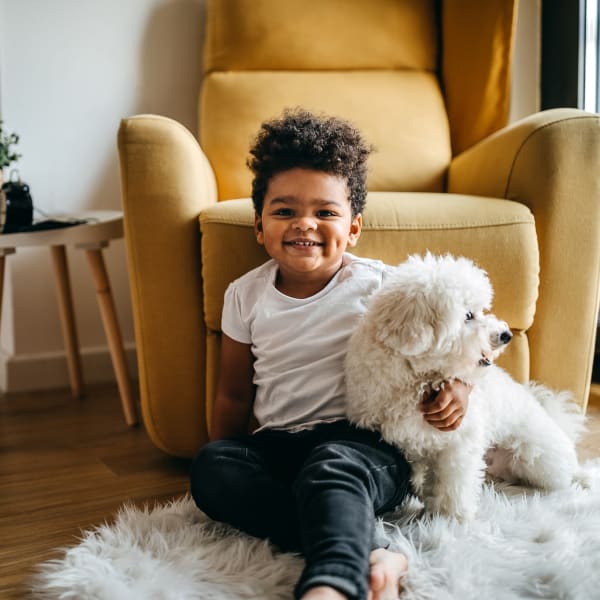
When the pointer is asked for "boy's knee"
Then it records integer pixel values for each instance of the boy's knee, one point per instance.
(334, 462)
(221, 470)
(210, 472)
(356, 470)
(202, 475)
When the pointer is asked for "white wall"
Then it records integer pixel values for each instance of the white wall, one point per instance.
(69, 71)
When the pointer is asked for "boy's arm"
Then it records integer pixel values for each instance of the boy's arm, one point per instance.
(446, 410)
(235, 390)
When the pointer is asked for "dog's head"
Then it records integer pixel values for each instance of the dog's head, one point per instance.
(432, 311)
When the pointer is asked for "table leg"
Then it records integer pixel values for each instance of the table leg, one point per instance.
(67, 318)
(1, 283)
(113, 333)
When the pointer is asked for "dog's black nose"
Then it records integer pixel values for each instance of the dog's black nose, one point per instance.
(505, 337)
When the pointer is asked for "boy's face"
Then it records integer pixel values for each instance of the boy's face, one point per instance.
(306, 223)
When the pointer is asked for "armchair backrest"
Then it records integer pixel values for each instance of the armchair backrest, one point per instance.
(423, 79)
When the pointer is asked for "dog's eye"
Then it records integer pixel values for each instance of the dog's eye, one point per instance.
(469, 316)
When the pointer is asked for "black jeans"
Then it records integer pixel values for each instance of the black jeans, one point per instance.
(315, 491)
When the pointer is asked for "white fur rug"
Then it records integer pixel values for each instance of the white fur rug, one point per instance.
(522, 545)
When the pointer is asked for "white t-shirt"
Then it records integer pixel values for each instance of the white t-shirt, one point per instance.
(299, 343)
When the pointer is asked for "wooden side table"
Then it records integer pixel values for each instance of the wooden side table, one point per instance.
(101, 226)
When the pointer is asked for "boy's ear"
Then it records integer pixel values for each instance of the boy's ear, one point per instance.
(355, 229)
(258, 230)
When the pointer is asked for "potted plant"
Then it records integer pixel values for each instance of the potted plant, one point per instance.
(7, 155)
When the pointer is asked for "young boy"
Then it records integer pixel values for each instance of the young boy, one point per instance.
(305, 478)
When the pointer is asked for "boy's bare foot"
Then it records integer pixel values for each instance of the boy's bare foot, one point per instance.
(387, 569)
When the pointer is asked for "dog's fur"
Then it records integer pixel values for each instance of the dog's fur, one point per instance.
(427, 325)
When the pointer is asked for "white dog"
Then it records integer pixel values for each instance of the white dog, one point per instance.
(428, 325)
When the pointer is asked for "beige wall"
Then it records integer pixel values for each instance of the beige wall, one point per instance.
(69, 71)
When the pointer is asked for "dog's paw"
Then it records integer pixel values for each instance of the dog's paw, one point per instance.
(450, 509)
(462, 518)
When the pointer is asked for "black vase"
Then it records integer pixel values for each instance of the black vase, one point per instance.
(19, 206)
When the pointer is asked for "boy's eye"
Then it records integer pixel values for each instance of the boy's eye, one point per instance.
(325, 213)
(283, 212)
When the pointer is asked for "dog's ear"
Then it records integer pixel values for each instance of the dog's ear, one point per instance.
(404, 324)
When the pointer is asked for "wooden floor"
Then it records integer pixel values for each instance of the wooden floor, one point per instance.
(66, 465)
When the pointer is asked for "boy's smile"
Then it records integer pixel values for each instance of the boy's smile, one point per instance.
(306, 225)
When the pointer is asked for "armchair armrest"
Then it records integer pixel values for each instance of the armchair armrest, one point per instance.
(550, 162)
(166, 181)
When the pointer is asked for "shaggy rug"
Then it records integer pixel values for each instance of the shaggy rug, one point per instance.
(523, 544)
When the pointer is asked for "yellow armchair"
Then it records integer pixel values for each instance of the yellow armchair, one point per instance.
(427, 82)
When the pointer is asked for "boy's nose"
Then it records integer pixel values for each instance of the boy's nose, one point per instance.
(304, 224)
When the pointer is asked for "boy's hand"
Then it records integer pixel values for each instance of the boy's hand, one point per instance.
(446, 408)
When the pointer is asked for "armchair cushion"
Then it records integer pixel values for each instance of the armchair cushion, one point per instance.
(401, 113)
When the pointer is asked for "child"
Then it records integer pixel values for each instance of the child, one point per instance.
(305, 478)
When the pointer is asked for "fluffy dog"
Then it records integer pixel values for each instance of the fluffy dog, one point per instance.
(428, 324)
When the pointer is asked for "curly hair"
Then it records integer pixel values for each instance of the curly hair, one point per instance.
(303, 139)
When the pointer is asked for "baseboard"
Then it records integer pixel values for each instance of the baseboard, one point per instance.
(48, 370)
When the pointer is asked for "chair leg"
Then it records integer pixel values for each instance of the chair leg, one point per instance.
(1, 283)
(67, 318)
(113, 333)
